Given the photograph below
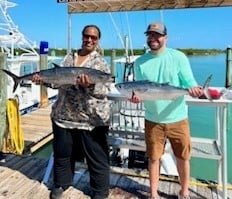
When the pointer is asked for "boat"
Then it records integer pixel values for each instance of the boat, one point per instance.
(125, 116)
(124, 109)
(22, 59)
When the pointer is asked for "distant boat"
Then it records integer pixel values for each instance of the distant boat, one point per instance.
(12, 41)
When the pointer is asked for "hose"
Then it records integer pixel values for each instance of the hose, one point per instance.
(15, 143)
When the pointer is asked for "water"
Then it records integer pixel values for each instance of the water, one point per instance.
(201, 118)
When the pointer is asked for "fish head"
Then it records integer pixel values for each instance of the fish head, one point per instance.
(124, 88)
(105, 77)
(97, 76)
(119, 86)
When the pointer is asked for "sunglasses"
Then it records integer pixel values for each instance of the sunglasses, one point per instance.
(92, 37)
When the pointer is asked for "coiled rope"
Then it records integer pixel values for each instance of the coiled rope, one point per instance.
(15, 140)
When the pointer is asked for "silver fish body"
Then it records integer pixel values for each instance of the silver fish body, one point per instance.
(61, 76)
(148, 90)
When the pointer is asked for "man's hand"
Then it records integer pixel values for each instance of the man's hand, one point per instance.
(135, 99)
(196, 91)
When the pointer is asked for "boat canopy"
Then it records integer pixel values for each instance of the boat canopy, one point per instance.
(94, 6)
(98, 6)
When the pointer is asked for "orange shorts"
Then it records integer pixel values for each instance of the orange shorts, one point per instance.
(178, 134)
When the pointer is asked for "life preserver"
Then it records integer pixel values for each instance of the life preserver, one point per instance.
(15, 142)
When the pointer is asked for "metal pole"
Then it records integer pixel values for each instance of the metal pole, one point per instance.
(3, 98)
(126, 49)
(228, 67)
(69, 33)
(112, 66)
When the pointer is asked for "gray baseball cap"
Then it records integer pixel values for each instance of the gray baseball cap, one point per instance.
(156, 27)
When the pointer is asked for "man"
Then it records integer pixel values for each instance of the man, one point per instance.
(166, 119)
(80, 118)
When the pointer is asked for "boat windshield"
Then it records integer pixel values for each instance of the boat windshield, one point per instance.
(28, 67)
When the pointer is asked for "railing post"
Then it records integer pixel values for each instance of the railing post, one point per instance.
(43, 65)
(112, 66)
(3, 98)
(228, 67)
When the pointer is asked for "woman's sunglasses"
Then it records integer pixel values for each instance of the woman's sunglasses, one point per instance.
(92, 37)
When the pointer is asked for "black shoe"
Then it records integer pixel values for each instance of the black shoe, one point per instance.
(100, 196)
(2, 157)
(56, 193)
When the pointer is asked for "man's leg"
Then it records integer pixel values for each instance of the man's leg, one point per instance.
(154, 169)
(183, 168)
(155, 141)
(179, 136)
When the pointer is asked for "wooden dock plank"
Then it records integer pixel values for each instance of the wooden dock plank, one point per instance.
(21, 177)
(37, 128)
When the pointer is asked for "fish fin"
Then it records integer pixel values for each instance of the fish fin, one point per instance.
(206, 87)
(16, 78)
(56, 65)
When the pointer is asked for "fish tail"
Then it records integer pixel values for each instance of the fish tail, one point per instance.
(14, 77)
(206, 87)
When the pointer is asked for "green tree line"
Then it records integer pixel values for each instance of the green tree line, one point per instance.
(121, 52)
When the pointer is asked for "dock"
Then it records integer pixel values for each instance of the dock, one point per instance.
(21, 177)
(37, 128)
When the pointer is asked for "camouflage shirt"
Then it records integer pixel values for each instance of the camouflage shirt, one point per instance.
(79, 107)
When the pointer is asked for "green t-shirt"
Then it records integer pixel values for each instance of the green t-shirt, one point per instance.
(173, 67)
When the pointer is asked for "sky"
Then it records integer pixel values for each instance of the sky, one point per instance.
(47, 20)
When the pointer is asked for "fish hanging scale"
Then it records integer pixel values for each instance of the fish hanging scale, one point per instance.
(15, 143)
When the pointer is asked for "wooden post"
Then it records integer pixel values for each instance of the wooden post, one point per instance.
(43, 65)
(228, 67)
(3, 98)
(112, 66)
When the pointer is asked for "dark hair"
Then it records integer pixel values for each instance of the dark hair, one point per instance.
(92, 26)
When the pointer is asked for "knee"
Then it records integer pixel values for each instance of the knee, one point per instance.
(154, 161)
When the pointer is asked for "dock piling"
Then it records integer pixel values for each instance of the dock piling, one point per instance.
(43, 65)
(3, 98)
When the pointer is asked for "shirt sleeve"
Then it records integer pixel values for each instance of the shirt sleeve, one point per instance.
(185, 74)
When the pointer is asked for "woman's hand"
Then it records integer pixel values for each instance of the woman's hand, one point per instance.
(37, 79)
(83, 80)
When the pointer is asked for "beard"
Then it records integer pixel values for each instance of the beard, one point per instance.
(154, 45)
